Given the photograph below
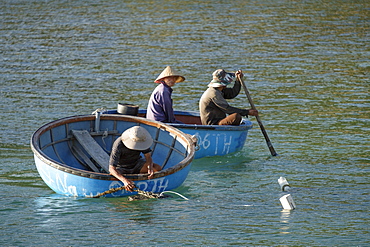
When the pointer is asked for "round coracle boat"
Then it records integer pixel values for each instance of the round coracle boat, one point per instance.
(72, 155)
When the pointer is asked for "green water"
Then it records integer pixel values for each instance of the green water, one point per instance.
(306, 66)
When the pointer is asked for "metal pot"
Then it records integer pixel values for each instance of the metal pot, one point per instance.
(127, 109)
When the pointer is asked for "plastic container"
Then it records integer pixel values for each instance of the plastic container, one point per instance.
(284, 185)
(287, 202)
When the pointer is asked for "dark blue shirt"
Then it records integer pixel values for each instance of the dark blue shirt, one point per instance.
(123, 157)
(160, 105)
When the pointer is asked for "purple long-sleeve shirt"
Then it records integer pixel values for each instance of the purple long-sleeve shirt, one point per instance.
(160, 105)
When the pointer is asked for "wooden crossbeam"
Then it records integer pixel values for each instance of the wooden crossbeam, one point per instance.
(92, 148)
(78, 152)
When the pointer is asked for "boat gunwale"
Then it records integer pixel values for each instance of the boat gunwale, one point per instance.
(246, 123)
(241, 127)
(103, 176)
(220, 128)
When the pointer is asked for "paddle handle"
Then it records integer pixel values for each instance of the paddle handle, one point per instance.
(269, 144)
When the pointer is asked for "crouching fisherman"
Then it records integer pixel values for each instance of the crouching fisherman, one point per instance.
(126, 156)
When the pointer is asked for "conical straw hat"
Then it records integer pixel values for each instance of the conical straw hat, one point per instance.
(137, 138)
(168, 71)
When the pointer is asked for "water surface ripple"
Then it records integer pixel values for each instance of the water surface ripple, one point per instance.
(306, 65)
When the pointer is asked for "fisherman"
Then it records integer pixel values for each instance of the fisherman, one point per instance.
(126, 156)
(160, 103)
(213, 105)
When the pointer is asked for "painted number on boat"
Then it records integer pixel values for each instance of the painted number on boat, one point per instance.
(219, 142)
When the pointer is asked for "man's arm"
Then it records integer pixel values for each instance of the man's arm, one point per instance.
(149, 164)
(129, 185)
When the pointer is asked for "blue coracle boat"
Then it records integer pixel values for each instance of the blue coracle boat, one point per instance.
(213, 140)
(71, 155)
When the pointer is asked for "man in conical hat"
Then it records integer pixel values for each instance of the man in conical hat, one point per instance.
(214, 109)
(160, 103)
(125, 157)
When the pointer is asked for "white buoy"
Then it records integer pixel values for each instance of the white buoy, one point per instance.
(287, 202)
(284, 184)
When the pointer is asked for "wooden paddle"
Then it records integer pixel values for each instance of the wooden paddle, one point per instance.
(269, 144)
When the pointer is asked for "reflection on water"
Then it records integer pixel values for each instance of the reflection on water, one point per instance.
(284, 220)
(50, 210)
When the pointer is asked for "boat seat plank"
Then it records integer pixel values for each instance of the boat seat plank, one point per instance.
(92, 148)
(78, 151)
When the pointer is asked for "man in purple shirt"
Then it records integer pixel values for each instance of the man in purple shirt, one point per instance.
(160, 102)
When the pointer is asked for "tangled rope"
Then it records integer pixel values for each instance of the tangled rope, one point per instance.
(183, 197)
(109, 191)
(141, 194)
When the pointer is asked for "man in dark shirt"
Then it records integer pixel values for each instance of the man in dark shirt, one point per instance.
(213, 105)
(126, 157)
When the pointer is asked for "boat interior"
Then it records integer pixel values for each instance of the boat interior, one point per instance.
(86, 144)
(186, 119)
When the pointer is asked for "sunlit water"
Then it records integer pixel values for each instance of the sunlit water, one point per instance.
(306, 66)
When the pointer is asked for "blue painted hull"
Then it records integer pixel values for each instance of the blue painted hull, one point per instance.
(217, 140)
(213, 140)
(74, 185)
(64, 173)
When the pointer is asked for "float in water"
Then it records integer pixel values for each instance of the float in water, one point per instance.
(72, 155)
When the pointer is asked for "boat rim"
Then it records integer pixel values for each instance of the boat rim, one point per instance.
(104, 176)
(245, 125)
